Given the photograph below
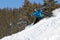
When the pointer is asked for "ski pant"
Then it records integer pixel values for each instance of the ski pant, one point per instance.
(37, 19)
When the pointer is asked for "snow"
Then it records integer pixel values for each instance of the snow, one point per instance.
(46, 29)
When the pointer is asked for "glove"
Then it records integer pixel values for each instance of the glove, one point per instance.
(31, 14)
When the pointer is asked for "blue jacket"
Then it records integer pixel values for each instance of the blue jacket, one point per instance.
(37, 13)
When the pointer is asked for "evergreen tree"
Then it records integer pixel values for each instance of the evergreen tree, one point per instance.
(48, 7)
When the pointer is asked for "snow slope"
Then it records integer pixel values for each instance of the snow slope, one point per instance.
(46, 29)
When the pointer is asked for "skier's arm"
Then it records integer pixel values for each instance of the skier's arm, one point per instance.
(44, 13)
(33, 13)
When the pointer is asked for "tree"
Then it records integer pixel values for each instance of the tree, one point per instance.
(49, 7)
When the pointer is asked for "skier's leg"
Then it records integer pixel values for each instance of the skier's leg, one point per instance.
(37, 19)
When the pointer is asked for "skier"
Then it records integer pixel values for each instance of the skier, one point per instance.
(38, 14)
